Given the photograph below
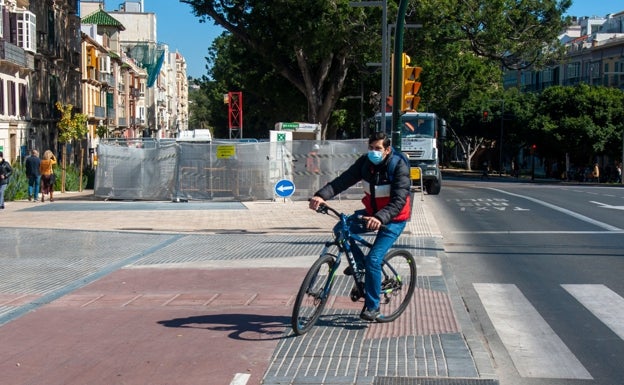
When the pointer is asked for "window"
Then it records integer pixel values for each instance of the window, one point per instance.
(1, 20)
(573, 70)
(26, 31)
(11, 98)
(23, 100)
(2, 110)
(105, 64)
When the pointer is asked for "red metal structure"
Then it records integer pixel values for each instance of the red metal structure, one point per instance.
(235, 114)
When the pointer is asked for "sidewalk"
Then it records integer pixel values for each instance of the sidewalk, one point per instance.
(194, 293)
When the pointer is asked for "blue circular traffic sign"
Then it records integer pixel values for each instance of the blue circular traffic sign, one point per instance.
(284, 188)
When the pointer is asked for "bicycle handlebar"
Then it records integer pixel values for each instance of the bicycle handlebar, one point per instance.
(324, 209)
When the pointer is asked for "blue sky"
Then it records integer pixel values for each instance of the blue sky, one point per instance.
(181, 30)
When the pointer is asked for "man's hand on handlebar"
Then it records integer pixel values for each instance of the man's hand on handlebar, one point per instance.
(372, 223)
(315, 202)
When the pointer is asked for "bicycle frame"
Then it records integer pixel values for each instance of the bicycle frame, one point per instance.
(345, 241)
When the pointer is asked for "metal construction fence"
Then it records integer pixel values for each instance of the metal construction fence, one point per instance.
(228, 170)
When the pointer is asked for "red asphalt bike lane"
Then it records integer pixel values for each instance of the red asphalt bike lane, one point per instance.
(154, 326)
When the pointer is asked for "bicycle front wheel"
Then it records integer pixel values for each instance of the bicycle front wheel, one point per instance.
(313, 294)
(398, 284)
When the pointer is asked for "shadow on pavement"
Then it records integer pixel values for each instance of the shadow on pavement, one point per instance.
(246, 327)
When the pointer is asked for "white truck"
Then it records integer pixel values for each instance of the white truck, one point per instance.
(421, 137)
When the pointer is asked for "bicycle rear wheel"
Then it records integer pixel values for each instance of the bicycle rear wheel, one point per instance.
(397, 285)
(313, 295)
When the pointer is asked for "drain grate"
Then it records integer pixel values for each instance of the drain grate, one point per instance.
(432, 381)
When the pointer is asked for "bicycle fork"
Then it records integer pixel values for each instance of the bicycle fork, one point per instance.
(357, 291)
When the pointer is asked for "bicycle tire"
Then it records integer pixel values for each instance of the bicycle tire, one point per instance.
(398, 284)
(309, 305)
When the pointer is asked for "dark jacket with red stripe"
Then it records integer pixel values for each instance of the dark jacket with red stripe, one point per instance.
(385, 200)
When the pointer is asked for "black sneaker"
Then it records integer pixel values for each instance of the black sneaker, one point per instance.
(370, 315)
(348, 271)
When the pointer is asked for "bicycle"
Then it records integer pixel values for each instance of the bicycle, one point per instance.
(398, 276)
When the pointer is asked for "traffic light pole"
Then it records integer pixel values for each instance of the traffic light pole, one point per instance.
(397, 82)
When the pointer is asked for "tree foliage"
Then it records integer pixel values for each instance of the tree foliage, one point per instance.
(582, 121)
(311, 44)
(298, 60)
(71, 125)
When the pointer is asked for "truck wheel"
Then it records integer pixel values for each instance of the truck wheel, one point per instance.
(433, 187)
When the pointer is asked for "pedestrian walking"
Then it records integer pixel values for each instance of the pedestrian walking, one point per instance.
(5, 173)
(32, 165)
(47, 175)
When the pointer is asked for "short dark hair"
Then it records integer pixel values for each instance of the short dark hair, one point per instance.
(375, 136)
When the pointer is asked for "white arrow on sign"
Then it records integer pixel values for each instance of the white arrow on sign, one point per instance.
(285, 188)
(606, 206)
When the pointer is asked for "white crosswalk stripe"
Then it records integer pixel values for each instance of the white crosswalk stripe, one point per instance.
(535, 349)
(604, 303)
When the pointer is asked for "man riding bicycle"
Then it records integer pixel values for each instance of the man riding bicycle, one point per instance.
(386, 201)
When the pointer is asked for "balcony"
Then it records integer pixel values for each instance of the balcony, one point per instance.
(107, 78)
(99, 112)
(13, 54)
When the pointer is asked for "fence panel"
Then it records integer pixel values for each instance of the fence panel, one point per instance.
(220, 170)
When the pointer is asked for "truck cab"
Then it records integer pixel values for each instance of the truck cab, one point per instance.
(420, 136)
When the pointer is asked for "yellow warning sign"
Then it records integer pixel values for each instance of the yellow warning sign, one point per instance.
(414, 173)
(226, 151)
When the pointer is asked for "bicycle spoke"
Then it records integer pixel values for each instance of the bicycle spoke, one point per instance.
(398, 285)
(313, 294)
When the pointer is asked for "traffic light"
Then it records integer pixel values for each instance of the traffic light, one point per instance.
(485, 115)
(411, 85)
(533, 148)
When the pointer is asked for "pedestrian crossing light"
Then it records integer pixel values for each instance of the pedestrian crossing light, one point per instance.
(485, 115)
(411, 85)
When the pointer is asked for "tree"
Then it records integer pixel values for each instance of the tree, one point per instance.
(267, 97)
(580, 122)
(515, 34)
(71, 126)
(309, 43)
(320, 46)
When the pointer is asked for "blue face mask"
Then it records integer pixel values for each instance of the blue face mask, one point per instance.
(375, 156)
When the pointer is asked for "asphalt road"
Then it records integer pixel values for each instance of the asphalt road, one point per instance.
(540, 270)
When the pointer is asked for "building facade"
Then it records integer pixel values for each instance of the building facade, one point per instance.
(594, 55)
(73, 52)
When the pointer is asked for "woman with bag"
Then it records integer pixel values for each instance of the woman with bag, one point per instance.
(47, 175)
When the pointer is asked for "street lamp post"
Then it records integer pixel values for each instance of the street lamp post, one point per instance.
(384, 52)
(500, 156)
(500, 145)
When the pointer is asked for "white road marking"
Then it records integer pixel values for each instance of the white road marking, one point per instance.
(537, 232)
(603, 303)
(606, 206)
(240, 379)
(562, 210)
(535, 349)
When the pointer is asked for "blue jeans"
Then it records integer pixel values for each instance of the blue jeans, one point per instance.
(33, 186)
(2, 188)
(383, 242)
